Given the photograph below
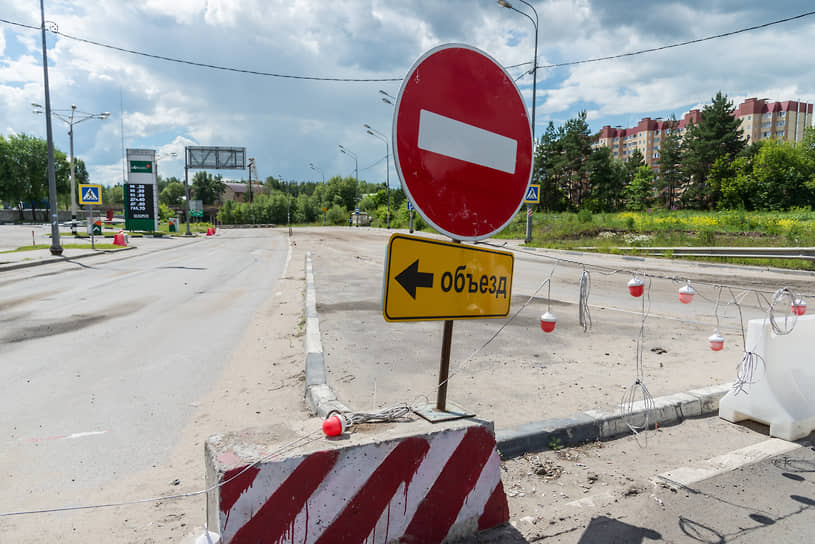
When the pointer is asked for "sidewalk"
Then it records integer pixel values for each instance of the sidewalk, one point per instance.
(16, 236)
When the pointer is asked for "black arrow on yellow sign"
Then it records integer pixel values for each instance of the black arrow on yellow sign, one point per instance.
(410, 278)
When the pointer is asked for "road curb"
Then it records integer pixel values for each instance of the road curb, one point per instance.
(61, 259)
(582, 427)
(593, 425)
(320, 398)
(98, 252)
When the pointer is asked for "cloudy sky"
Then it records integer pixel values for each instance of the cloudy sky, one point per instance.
(288, 123)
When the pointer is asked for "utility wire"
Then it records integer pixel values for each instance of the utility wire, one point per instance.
(680, 44)
(360, 80)
(202, 64)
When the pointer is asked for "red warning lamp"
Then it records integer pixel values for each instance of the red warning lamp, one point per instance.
(636, 286)
(686, 294)
(548, 321)
(716, 341)
(334, 425)
(799, 306)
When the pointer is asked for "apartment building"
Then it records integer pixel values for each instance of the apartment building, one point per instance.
(760, 120)
(786, 121)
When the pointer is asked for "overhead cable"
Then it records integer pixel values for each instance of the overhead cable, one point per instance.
(397, 79)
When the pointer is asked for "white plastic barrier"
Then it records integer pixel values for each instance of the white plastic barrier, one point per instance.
(782, 393)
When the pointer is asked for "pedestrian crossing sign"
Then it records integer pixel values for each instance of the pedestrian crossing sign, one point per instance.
(90, 194)
(533, 194)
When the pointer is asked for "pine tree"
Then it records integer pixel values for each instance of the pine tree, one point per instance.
(639, 193)
(670, 159)
(607, 177)
(546, 171)
(576, 147)
(717, 136)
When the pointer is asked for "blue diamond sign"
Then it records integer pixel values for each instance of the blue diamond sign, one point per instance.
(90, 195)
(533, 194)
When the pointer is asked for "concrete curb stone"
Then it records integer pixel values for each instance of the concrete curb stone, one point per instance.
(320, 398)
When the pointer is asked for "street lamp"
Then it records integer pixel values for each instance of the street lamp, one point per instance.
(72, 117)
(356, 175)
(387, 99)
(187, 189)
(534, 72)
(288, 201)
(375, 133)
(322, 203)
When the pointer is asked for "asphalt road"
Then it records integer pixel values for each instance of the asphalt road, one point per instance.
(103, 359)
(769, 501)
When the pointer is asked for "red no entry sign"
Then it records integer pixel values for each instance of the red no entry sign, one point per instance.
(462, 142)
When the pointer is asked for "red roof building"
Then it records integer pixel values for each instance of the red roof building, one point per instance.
(759, 120)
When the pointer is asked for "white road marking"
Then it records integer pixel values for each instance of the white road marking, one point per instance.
(687, 476)
(452, 138)
(67, 436)
(83, 435)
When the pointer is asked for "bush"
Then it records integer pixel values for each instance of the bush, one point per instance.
(337, 215)
(164, 212)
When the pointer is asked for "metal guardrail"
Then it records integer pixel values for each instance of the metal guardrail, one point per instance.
(803, 253)
(249, 226)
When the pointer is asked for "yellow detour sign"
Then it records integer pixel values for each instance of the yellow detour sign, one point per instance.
(429, 279)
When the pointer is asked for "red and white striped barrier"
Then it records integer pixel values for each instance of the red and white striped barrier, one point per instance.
(421, 488)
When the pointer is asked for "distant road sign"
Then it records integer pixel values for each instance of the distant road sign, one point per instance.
(409, 205)
(90, 195)
(533, 194)
(462, 142)
(428, 280)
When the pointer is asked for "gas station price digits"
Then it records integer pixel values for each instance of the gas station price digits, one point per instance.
(461, 282)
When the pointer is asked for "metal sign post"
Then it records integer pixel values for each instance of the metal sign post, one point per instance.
(90, 226)
(88, 196)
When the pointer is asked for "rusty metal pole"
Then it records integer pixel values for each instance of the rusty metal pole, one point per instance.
(444, 367)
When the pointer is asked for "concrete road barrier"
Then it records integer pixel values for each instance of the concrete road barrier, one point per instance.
(782, 392)
(412, 481)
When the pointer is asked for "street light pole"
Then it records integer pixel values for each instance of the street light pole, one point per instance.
(288, 202)
(373, 132)
(506, 4)
(356, 176)
(187, 190)
(322, 201)
(56, 248)
(69, 117)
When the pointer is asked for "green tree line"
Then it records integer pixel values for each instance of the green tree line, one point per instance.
(278, 201)
(710, 167)
(24, 175)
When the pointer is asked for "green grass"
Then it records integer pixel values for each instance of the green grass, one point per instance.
(733, 228)
(64, 246)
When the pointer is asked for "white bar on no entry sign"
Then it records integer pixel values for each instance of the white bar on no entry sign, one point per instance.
(464, 142)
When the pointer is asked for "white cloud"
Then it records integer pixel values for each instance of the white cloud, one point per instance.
(288, 123)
